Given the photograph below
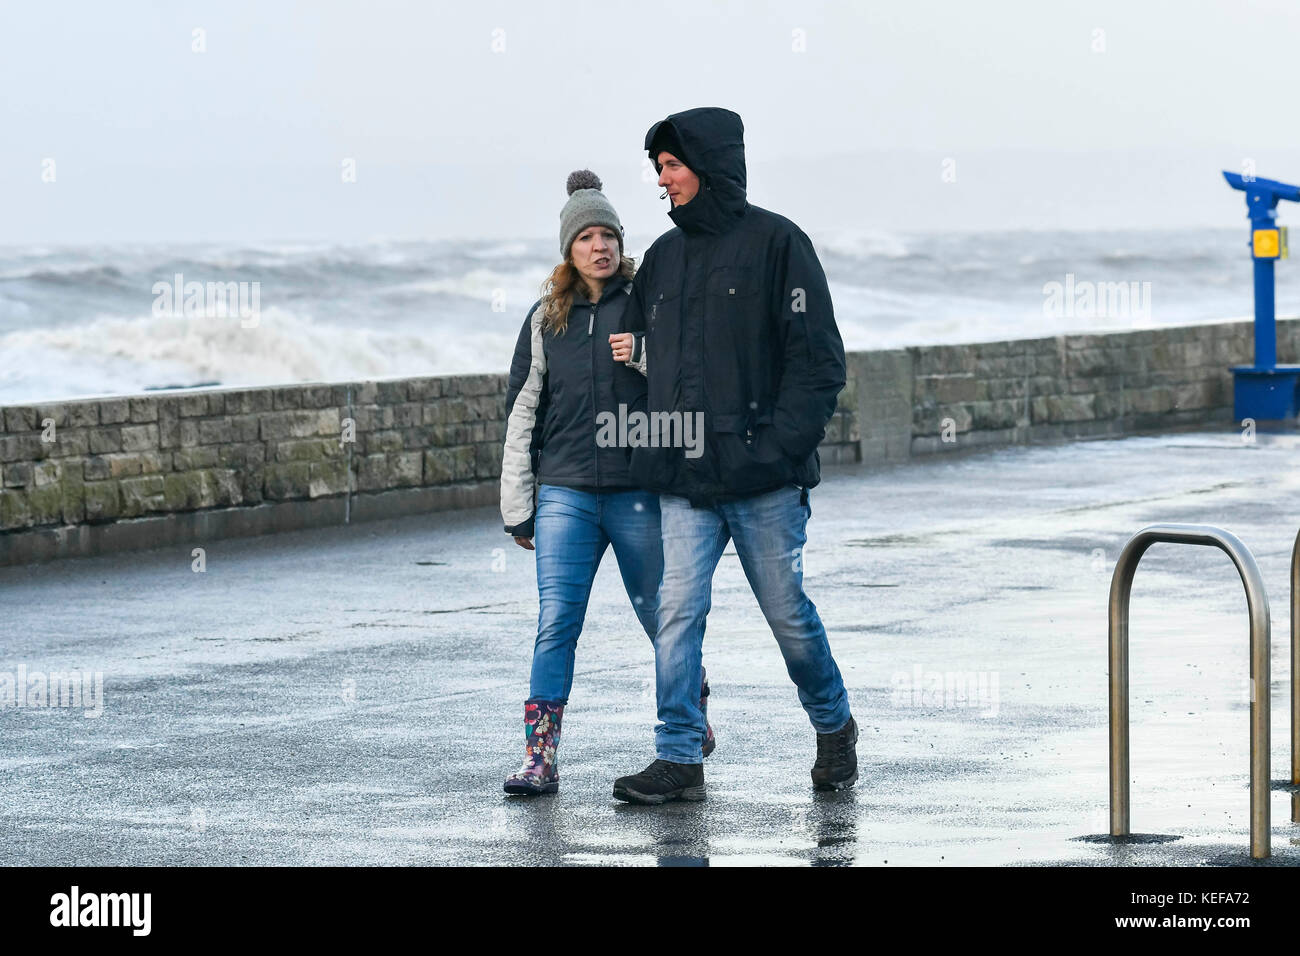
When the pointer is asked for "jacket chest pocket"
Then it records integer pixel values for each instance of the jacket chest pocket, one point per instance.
(736, 340)
(734, 313)
(663, 306)
(732, 291)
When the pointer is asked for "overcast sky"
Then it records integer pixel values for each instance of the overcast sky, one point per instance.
(464, 118)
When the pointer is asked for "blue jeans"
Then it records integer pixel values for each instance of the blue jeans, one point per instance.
(770, 531)
(573, 529)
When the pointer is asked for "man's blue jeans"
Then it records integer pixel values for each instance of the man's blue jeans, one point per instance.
(573, 529)
(770, 531)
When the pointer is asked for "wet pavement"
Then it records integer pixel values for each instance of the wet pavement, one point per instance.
(354, 695)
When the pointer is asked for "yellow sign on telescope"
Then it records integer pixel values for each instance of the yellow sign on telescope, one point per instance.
(1267, 244)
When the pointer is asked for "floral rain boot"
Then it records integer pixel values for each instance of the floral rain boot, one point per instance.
(709, 740)
(539, 774)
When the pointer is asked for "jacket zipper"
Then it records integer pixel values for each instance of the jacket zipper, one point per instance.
(704, 301)
(591, 347)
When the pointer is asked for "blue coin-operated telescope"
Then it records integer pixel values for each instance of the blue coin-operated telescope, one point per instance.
(1265, 390)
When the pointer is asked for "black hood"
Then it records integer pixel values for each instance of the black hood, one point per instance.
(713, 141)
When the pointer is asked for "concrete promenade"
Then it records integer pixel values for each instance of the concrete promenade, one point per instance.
(352, 695)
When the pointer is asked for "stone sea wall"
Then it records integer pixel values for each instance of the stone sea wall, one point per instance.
(100, 475)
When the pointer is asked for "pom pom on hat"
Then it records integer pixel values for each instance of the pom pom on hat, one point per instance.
(582, 179)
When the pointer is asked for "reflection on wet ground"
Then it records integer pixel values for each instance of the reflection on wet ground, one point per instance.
(354, 695)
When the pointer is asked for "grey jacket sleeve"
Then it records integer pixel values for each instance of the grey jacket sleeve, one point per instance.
(637, 361)
(525, 396)
(634, 319)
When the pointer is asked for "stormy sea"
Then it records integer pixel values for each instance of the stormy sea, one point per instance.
(121, 318)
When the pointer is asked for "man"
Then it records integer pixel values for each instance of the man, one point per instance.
(737, 327)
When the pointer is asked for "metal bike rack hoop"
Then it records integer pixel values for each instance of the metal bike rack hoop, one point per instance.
(1295, 663)
(1121, 586)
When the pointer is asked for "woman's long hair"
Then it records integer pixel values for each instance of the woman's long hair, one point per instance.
(557, 291)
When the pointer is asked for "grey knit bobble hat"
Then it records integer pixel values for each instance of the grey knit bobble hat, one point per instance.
(587, 206)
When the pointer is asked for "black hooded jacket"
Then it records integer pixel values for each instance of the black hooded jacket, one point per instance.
(738, 327)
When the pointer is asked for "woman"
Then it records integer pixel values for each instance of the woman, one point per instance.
(564, 374)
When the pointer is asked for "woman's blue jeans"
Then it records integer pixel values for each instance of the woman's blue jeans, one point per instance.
(572, 531)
